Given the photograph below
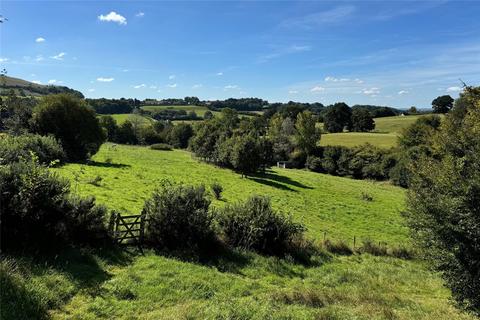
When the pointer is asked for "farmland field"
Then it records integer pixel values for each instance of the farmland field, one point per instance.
(199, 110)
(385, 134)
(121, 118)
(236, 285)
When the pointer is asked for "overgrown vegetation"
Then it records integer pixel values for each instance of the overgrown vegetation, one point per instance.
(17, 148)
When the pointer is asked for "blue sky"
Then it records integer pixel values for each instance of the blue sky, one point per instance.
(397, 53)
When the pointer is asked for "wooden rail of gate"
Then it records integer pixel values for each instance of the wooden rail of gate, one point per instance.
(128, 230)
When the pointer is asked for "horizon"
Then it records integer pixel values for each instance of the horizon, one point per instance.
(404, 53)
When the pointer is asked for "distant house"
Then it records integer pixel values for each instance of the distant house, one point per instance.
(283, 164)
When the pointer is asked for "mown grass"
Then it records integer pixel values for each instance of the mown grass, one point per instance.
(324, 203)
(385, 135)
(121, 118)
(199, 110)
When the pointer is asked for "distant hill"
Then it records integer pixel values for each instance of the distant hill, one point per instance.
(27, 88)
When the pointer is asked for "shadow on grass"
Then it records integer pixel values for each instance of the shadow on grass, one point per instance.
(107, 164)
(277, 181)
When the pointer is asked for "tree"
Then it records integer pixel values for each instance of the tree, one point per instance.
(180, 134)
(110, 126)
(307, 135)
(72, 122)
(412, 110)
(420, 133)
(245, 155)
(362, 120)
(337, 117)
(208, 115)
(442, 104)
(126, 134)
(443, 201)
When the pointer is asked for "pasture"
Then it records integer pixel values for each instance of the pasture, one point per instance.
(199, 110)
(234, 285)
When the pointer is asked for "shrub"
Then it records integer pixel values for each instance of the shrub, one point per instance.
(37, 210)
(255, 225)
(178, 217)
(46, 149)
(217, 190)
(368, 246)
(72, 122)
(161, 146)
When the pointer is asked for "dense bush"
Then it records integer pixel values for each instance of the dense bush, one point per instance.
(161, 146)
(16, 148)
(178, 217)
(255, 225)
(217, 190)
(72, 122)
(38, 211)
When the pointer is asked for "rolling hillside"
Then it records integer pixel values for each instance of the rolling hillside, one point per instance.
(27, 88)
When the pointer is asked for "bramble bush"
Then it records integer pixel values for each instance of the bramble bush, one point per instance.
(254, 225)
(16, 148)
(38, 211)
(178, 217)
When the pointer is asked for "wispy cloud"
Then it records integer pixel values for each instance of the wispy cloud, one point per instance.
(284, 51)
(454, 89)
(292, 91)
(317, 89)
(407, 8)
(310, 21)
(36, 81)
(40, 39)
(402, 92)
(153, 87)
(113, 17)
(59, 56)
(91, 90)
(219, 74)
(3, 59)
(54, 81)
(39, 58)
(172, 76)
(140, 14)
(173, 85)
(143, 85)
(197, 86)
(231, 86)
(101, 79)
(373, 92)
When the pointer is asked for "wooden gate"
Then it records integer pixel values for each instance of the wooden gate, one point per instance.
(128, 230)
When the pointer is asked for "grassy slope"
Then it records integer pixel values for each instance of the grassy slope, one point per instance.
(323, 202)
(385, 134)
(121, 118)
(245, 285)
(199, 110)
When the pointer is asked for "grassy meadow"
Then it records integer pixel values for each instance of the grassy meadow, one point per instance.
(385, 134)
(199, 110)
(114, 284)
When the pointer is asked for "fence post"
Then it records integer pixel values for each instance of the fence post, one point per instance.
(324, 236)
(354, 241)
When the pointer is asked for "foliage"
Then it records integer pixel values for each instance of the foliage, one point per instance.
(443, 200)
(255, 225)
(362, 120)
(161, 146)
(113, 106)
(442, 104)
(179, 135)
(420, 132)
(38, 211)
(178, 217)
(307, 135)
(110, 126)
(15, 114)
(245, 154)
(72, 122)
(126, 134)
(337, 117)
(16, 148)
(217, 190)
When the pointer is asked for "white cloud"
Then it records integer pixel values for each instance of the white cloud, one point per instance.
(40, 39)
(171, 77)
(140, 14)
(153, 87)
(371, 91)
(174, 85)
(317, 89)
(59, 56)
(101, 79)
(143, 85)
(333, 79)
(358, 80)
(36, 82)
(91, 90)
(53, 81)
(293, 92)
(3, 59)
(231, 86)
(113, 17)
(219, 73)
(196, 86)
(317, 19)
(125, 70)
(39, 58)
(454, 89)
(402, 92)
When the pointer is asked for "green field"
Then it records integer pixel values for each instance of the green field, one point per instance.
(199, 110)
(106, 284)
(385, 134)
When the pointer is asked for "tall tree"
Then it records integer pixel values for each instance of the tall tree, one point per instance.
(362, 120)
(307, 136)
(337, 117)
(443, 201)
(442, 104)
